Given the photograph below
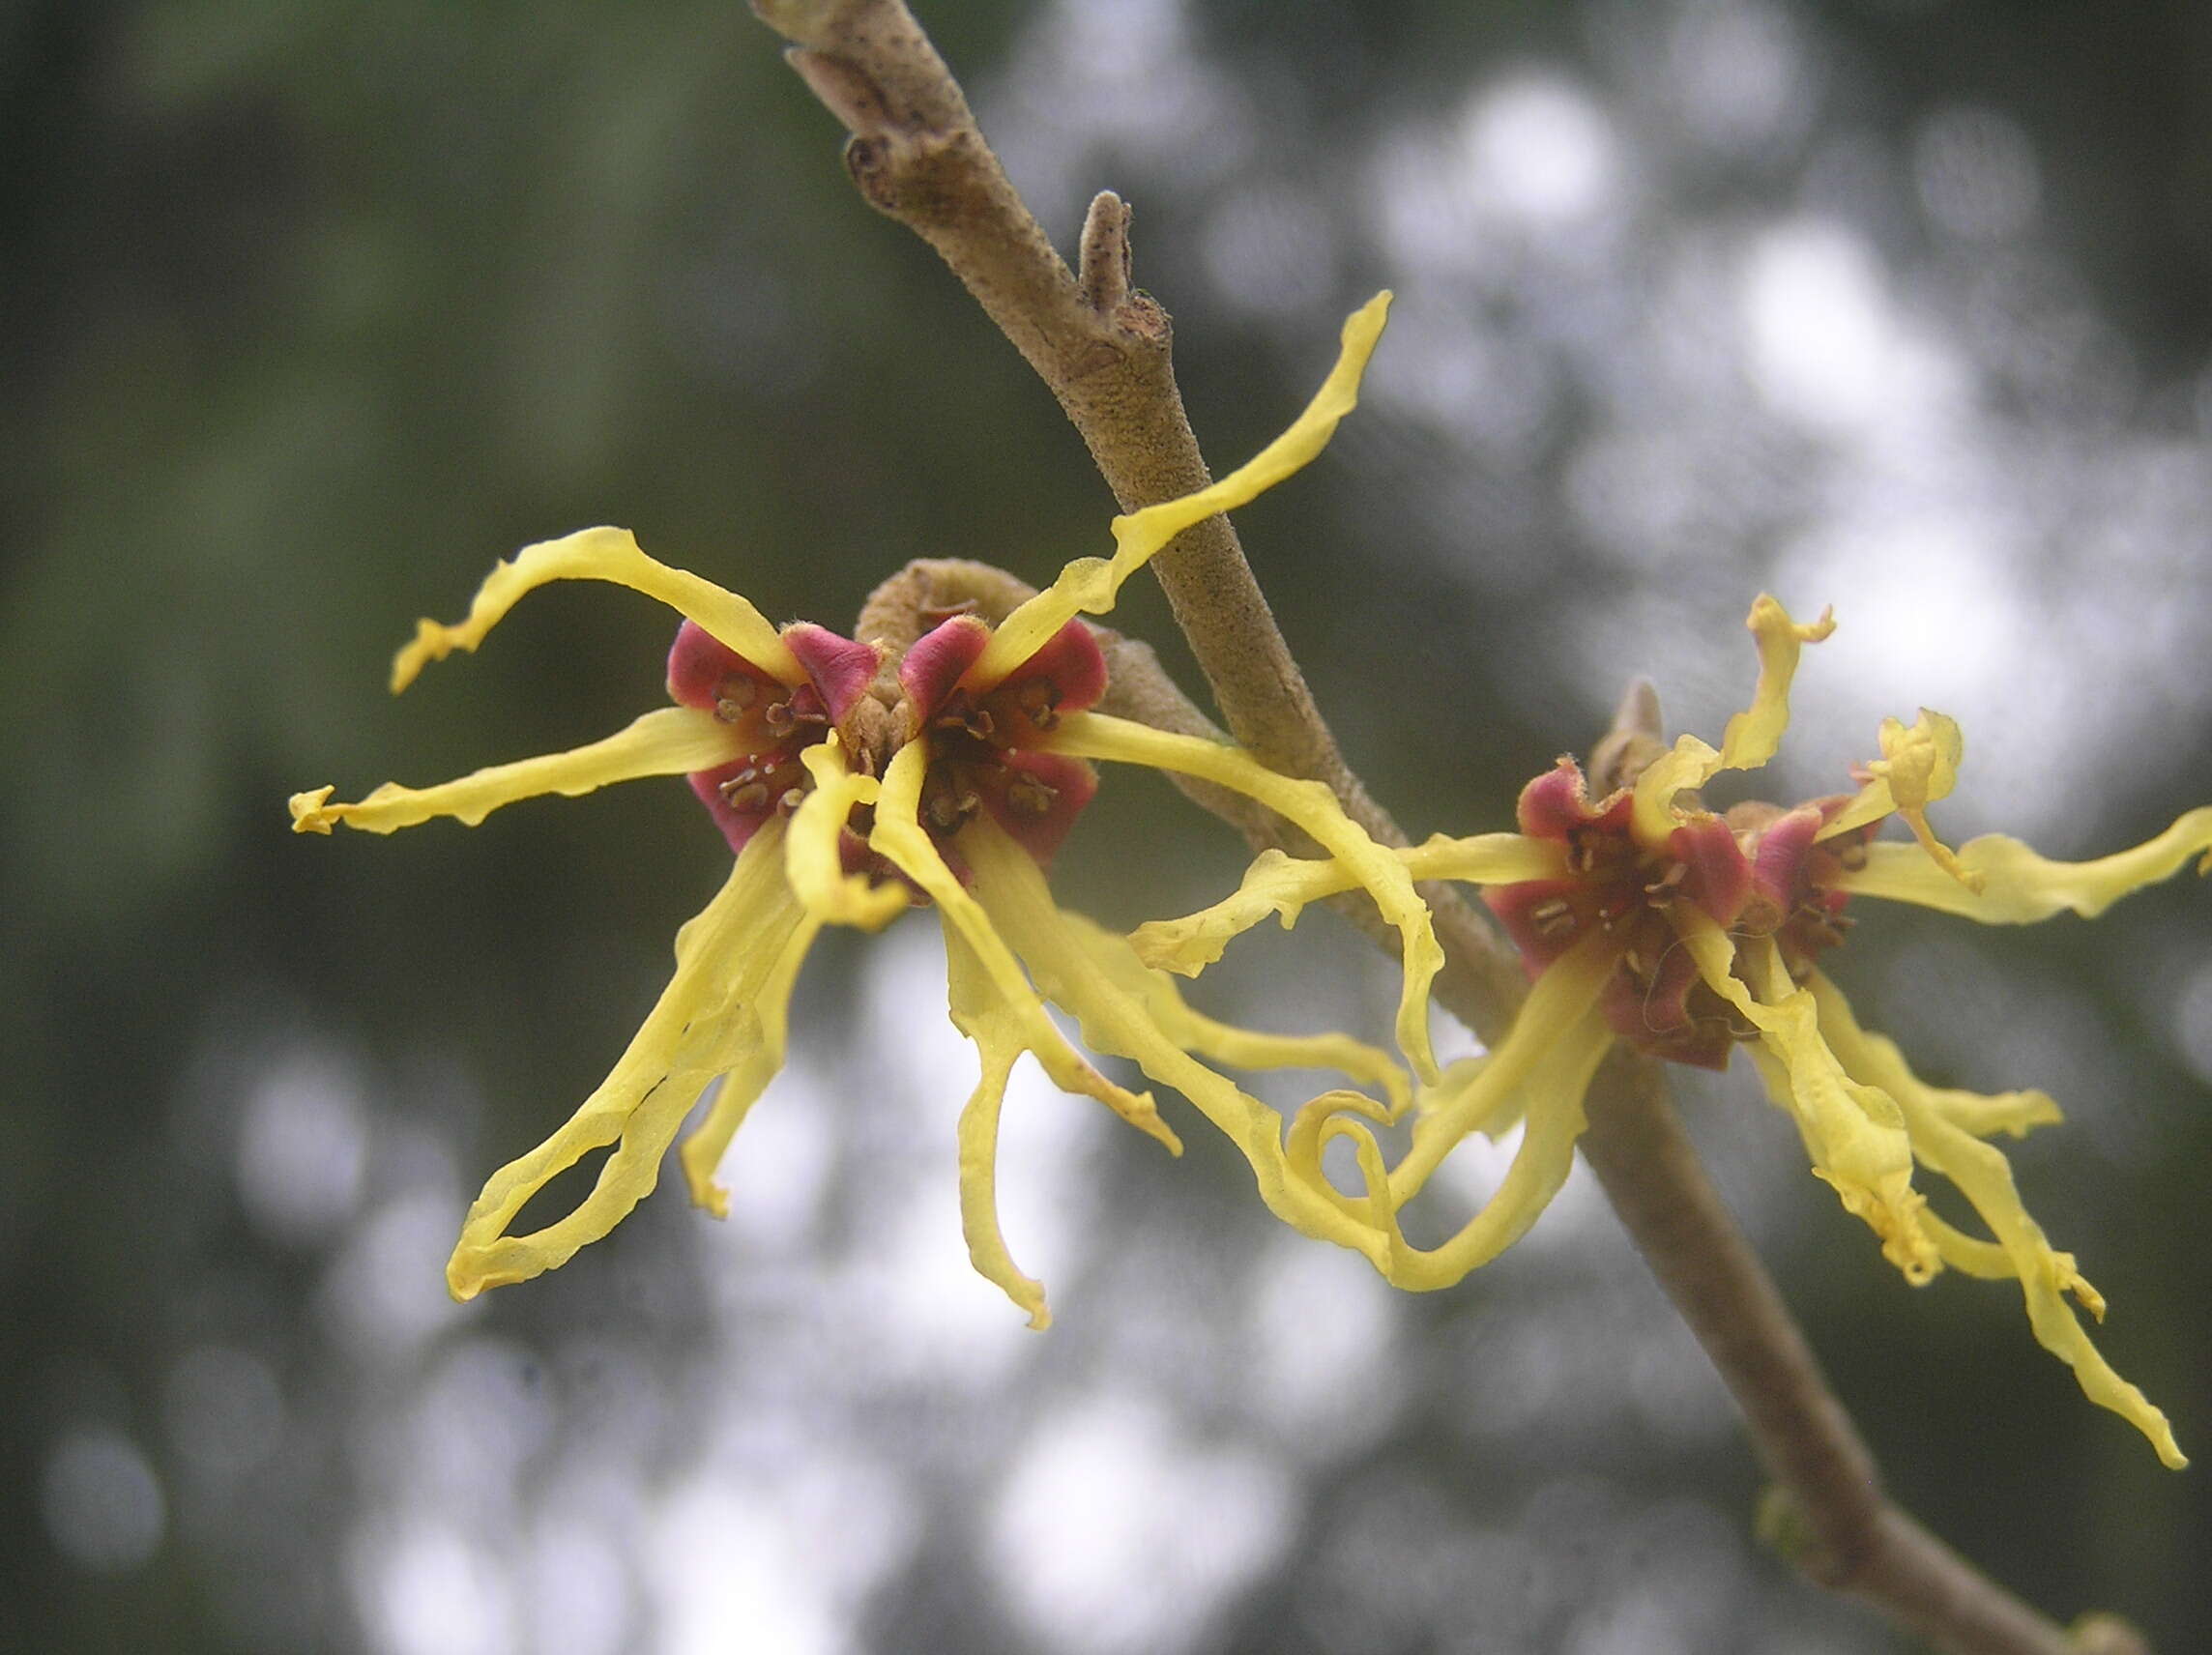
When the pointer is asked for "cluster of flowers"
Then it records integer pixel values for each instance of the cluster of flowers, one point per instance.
(854, 779)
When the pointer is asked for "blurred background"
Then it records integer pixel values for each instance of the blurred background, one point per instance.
(312, 310)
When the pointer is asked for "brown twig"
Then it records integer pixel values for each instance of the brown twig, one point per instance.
(1103, 348)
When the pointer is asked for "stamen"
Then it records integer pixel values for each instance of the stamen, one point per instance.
(748, 797)
(1032, 795)
(963, 716)
(1661, 890)
(782, 717)
(1554, 917)
(734, 696)
(947, 810)
(1039, 701)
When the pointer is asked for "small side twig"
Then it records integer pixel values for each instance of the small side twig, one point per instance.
(1103, 348)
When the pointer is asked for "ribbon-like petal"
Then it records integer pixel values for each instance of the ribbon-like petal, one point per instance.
(609, 555)
(1085, 970)
(670, 740)
(1853, 1131)
(2046, 1277)
(1089, 585)
(1919, 764)
(1311, 806)
(813, 859)
(718, 1015)
(901, 838)
(2013, 886)
(1283, 885)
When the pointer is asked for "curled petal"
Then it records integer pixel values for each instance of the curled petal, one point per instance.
(899, 837)
(1755, 734)
(1348, 1114)
(2015, 886)
(1282, 885)
(1551, 1104)
(1919, 764)
(718, 1015)
(1091, 973)
(813, 851)
(1853, 1130)
(2046, 1277)
(1117, 962)
(600, 554)
(1684, 768)
(670, 740)
(1483, 1097)
(993, 1022)
(1311, 806)
(1089, 585)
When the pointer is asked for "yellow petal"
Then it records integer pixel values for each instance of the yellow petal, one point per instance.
(1084, 970)
(1687, 766)
(1919, 764)
(812, 858)
(2015, 886)
(610, 554)
(1853, 1130)
(1350, 1115)
(898, 835)
(1089, 585)
(1753, 736)
(1983, 1174)
(712, 1019)
(758, 1061)
(1114, 959)
(1555, 1016)
(990, 1020)
(672, 741)
(1282, 885)
(1310, 806)
(1552, 1104)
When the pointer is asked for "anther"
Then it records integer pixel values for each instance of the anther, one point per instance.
(1554, 917)
(949, 810)
(1039, 699)
(734, 696)
(748, 797)
(1661, 890)
(1032, 795)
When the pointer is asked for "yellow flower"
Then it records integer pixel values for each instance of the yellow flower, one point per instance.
(1643, 917)
(854, 779)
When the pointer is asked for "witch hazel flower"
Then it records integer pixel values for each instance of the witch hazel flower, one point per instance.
(854, 779)
(1645, 917)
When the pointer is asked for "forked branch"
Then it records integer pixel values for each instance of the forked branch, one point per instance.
(1103, 349)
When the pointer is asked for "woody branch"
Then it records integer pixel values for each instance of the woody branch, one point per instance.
(1104, 350)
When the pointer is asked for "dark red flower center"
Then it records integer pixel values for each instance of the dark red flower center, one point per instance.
(983, 743)
(1758, 870)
